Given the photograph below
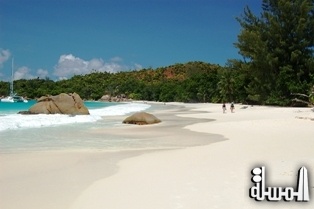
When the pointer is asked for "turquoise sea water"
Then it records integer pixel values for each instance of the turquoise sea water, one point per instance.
(11, 108)
(20, 133)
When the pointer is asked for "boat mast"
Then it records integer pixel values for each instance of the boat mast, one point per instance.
(12, 77)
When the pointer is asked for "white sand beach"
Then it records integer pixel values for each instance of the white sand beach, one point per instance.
(198, 173)
(216, 175)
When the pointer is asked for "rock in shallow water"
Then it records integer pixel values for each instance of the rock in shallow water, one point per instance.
(141, 118)
(70, 104)
(26, 112)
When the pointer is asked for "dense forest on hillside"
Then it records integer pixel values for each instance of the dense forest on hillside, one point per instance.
(189, 82)
(277, 48)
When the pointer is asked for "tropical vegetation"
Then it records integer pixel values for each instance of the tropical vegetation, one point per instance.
(276, 68)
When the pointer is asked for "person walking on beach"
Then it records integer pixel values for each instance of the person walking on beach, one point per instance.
(232, 107)
(224, 108)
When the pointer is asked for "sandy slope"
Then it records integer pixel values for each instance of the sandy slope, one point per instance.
(215, 175)
(204, 176)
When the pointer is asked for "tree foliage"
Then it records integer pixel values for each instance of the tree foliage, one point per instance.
(278, 64)
(189, 82)
(278, 49)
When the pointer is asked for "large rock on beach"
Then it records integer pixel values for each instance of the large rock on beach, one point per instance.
(105, 98)
(70, 104)
(141, 118)
(118, 98)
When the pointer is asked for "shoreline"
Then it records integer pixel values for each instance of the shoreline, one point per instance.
(55, 178)
(189, 171)
(217, 175)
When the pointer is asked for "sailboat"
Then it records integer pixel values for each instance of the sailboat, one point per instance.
(13, 97)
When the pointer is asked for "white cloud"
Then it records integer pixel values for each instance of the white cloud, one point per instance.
(95, 64)
(26, 73)
(137, 66)
(4, 56)
(69, 65)
(23, 73)
(41, 73)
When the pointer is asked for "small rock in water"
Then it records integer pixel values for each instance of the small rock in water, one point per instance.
(26, 112)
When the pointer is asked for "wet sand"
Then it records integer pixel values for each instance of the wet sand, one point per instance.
(56, 178)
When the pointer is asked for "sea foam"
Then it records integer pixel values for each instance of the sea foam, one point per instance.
(17, 121)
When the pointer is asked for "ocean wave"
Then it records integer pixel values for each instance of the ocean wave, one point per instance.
(17, 121)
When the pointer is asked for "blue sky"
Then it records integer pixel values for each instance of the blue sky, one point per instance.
(60, 38)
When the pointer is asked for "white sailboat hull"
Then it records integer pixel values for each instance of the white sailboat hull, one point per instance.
(13, 99)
